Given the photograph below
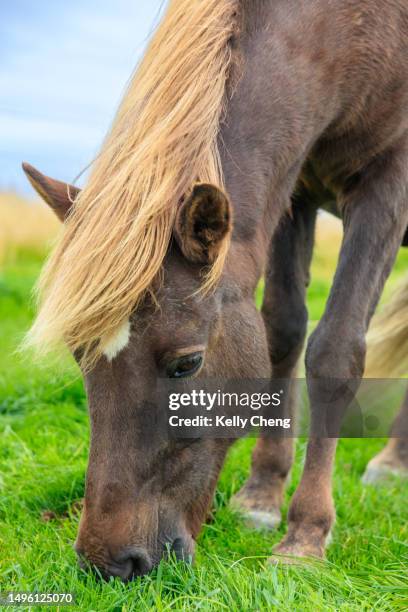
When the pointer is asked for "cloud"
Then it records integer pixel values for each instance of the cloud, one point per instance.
(64, 68)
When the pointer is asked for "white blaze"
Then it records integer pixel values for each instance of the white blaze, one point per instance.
(117, 341)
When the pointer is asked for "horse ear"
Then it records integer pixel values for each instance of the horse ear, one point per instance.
(59, 196)
(203, 222)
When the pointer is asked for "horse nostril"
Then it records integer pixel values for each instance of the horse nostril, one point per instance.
(141, 562)
(131, 563)
(182, 549)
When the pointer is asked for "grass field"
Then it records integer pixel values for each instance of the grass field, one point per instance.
(43, 456)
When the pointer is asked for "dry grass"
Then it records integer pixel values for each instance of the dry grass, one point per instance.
(329, 233)
(24, 225)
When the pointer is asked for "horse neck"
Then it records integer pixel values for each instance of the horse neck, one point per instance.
(263, 141)
(259, 183)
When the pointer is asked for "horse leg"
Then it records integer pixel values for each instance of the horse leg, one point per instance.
(285, 317)
(393, 459)
(375, 214)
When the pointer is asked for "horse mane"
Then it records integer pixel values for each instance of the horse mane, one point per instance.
(163, 139)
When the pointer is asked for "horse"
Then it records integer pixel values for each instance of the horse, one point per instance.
(387, 356)
(243, 118)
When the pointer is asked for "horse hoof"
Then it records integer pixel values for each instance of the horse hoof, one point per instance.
(260, 519)
(256, 518)
(382, 473)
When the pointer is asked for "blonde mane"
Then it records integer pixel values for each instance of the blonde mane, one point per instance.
(164, 138)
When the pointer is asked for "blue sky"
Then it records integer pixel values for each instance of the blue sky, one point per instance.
(63, 68)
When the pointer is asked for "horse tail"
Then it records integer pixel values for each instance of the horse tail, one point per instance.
(387, 339)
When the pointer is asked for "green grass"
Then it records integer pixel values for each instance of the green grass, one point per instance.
(43, 455)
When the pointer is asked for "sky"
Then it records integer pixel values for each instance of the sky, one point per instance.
(63, 68)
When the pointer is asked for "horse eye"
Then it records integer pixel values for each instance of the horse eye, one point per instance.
(184, 366)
